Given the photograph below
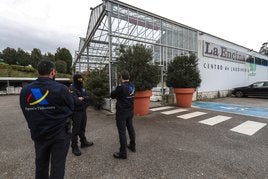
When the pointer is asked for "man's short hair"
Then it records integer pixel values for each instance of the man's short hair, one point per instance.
(44, 67)
(125, 75)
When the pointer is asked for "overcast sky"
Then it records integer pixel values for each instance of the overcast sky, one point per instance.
(48, 24)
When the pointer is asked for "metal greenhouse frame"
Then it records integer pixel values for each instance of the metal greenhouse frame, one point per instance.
(114, 23)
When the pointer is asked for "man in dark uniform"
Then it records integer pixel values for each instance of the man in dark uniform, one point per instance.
(124, 94)
(47, 106)
(81, 100)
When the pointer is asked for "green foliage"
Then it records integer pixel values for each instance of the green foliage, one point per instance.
(61, 66)
(63, 75)
(136, 60)
(17, 71)
(20, 61)
(23, 58)
(183, 72)
(9, 55)
(23, 71)
(4, 66)
(64, 55)
(49, 56)
(23, 68)
(36, 56)
(97, 84)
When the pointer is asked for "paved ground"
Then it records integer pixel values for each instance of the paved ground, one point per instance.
(167, 146)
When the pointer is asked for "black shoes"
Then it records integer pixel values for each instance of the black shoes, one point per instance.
(119, 156)
(86, 144)
(76, 151)
(132, 148)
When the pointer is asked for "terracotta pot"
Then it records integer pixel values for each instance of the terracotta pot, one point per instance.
(184, 96)
(142, 102)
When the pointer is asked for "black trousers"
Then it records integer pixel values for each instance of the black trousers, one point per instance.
(79, 127)
(53, 151)
(123, 122)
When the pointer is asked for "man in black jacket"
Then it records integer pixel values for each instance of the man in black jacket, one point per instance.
(81, 100)
(47, 105)
(124, 94)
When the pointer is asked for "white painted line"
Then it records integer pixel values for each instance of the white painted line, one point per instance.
(248, 127)
(161, 108)
(174, 111)
(215, 120)
(191, 115)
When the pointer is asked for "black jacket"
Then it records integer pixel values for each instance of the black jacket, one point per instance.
(79, 92)
(46, 105)
(124, 94)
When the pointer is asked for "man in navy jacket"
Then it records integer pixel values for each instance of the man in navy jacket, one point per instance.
(47, 106)
(124, 94)
(81, 102)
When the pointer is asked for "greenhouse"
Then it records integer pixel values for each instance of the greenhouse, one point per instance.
(223, 65)
(115, 23)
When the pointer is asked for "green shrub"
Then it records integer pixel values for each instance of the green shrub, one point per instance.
(23, 68)
(97, 84)
(136, 60)
(183, 72)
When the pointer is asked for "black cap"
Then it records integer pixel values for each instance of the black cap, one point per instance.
(77, 76)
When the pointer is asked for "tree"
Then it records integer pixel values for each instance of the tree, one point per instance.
(264, 48)
(137, 61)
(23, 57)
(9, 55)
(64, 55)
(49, 56)
(36, 56)
(61, 66)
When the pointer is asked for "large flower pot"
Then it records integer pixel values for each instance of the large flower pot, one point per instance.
(184, 96)
(142, 102)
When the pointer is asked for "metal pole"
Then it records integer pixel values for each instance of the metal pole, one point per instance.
(87, 59)
(110, 45)
(162, 80)
(110, 48)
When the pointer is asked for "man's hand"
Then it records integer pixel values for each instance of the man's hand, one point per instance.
(81, 98)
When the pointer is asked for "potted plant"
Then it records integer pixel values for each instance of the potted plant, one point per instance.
(144, 75)
(184, 76)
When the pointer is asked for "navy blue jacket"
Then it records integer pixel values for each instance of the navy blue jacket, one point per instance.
(79, 92)
(124, 94)
(46, 105)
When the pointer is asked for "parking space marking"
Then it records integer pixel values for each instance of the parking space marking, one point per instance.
(233, 108)
(215, 120)
(248, 127)
(174, 111)
(161, 108)
(191, 115)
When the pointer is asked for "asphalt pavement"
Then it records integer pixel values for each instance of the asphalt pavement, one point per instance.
(185, 143)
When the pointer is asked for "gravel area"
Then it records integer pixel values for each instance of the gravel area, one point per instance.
(167, 147)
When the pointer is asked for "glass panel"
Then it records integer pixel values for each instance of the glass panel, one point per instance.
(175, 36)
(164, 33)
(156, 54)
(264, 62)
(180, 37)
(169, 34)
(157, 31)
(258, 61)
(185, 44)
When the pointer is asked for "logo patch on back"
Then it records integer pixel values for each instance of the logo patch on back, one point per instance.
(39, 98)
